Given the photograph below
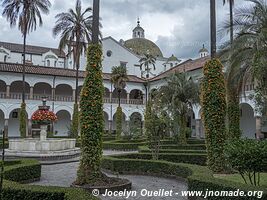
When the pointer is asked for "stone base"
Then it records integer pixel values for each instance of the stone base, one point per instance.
(37, 145)
(49, 149)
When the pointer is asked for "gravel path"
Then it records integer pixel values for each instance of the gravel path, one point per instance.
(64, 174)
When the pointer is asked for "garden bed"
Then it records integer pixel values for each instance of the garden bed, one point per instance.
(21, 171)
(199, 178)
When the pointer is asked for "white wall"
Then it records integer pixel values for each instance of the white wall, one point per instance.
(62, 126)
(247, 121)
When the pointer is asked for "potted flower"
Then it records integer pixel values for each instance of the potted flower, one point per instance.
(43, 117)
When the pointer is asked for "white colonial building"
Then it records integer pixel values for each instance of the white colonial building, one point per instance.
(50, 72)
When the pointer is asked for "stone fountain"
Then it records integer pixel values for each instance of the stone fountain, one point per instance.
(43, 148)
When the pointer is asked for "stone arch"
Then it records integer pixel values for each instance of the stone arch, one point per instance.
(14, 124)
(63, 92)
(16, 88)
(42, 89)
(136, 123)
(124, 127)
(136, 95)
(62, 125)
(247, 120)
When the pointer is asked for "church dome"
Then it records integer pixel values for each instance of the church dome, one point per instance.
(173, 59)
(142, 46)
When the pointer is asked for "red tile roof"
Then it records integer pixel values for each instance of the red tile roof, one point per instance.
(189, 65)
(52, 71)
(31, 49)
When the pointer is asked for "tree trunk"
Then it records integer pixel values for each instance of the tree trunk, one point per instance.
(119, 97)
(231, 22)
(23, 67)
(213, 28)
(95, 28)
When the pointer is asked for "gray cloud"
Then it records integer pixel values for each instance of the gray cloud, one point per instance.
(179, 27)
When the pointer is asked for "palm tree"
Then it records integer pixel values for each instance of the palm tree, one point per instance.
(146, 62)
(213, 28)
(26, 13)
(119, 79)
(178, 97)
(231, 6)
(75, 27)
(247, 53)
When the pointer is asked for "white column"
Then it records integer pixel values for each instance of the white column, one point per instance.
(198, 128)
(6, 128)
(8, 91)
(128, 98)
(29, 133)
(31, 92)
(258, 127)
(73, 94)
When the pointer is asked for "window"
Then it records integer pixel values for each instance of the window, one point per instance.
(109, 53)
(123, 64)
(171, 64)
(5, 58)
(48, 63)
(55, 63)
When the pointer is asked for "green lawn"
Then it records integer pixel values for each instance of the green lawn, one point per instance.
(238, 178)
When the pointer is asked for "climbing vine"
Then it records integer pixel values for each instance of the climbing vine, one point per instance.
(75, 122)
(118, 122)
(23, 120)
(213, 102)
(91, 118)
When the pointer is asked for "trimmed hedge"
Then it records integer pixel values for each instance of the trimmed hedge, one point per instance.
(199, 178)
(185, 147)
(199, 159)
(122, 146)
(145, 149)
(29, 170)
(22, 170)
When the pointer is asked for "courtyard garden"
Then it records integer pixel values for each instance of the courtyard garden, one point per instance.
(162, 153)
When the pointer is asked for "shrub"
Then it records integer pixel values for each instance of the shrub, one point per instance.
(74, 129)
(199, 178)
(199, 159)
(213, 102)
(145, 149)
(185, 147)
(122, 146)
(22, 171)
(248, 157)
(22, 120)
(118, 122)
(29, 170)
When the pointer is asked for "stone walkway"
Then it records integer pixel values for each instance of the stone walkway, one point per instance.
(64, 174)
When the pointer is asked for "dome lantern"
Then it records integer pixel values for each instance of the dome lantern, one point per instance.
(138, 31)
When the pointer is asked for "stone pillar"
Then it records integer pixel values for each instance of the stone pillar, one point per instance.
(110, 97)
(198, 129)
(31, 92)
(128, 98)
(110, 126)
(73, 94)
(6, 128)
(29, 133)
(258, 127)
(53, 93)
(8, 91)
(128, 126)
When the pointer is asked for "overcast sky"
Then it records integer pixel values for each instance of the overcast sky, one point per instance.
(178, 27)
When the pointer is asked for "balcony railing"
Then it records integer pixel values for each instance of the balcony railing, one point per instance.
(63, 98)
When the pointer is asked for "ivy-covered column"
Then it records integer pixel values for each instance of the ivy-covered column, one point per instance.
(91, 119)
(213, 100)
